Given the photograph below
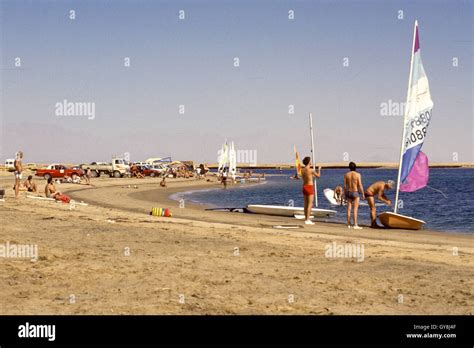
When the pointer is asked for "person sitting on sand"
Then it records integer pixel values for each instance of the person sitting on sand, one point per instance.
(163, 182)
(50, 189)
(377, 188)
(30, 185)
(352, 185)
(338, 191)
(308, 174)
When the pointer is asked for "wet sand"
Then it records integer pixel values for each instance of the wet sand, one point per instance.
(111, 257)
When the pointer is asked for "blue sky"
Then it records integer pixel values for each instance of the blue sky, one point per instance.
(190, 62)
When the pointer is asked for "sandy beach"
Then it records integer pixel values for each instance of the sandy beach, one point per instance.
(111, 257)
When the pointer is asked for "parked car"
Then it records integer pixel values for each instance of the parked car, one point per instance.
(140, 163)
(149, 171)
(59, 171)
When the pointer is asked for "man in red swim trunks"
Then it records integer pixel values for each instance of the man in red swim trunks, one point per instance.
(308, 175)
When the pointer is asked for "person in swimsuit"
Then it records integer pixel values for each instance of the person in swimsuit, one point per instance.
(308, 174)
(352, 185)
(30, 185)
(377, 188)
(88, 176)
(18, 169)
(338, 191)
(50, 189)
(224, 177)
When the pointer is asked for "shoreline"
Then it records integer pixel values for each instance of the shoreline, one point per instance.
(175, 196)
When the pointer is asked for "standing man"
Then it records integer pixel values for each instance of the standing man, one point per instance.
(308, 174)
(88, 176)
(352, 185)
(18, 169)
(377, 188)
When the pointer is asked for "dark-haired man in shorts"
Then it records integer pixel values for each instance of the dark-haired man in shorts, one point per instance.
(352, 185)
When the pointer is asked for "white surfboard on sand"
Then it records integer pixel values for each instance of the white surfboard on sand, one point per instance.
(282, 210)
(53, 200)
(42, 198)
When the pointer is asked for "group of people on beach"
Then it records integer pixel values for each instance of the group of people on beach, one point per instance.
(30, 186)
(351, 194)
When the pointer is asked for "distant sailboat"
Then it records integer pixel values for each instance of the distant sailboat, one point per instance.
(413, 170)
(224, 157)
(228, 159)
(297, 164)
(232, 161)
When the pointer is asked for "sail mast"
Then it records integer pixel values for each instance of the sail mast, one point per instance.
(415, 29)
(312, 159)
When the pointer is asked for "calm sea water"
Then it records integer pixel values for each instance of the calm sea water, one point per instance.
(452, 214)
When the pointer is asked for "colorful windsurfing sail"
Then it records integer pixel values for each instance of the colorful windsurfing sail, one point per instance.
(418, 111)
(418, 176)
(416, 121)
(297, 162)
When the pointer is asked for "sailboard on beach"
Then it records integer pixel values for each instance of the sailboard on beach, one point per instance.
(329, 195)
(296, 212)
(413, 169)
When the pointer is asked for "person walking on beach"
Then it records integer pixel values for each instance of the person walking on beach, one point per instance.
(224, 177)
(18, 169)
(377, 188)
(308, 174)
(352, 185)
(88, 176)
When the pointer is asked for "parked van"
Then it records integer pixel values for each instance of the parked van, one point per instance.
(10, 164)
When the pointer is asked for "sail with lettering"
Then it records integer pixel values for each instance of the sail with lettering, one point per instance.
(413, 171)
(418, 111)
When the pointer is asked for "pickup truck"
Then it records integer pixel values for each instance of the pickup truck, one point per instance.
(59, 171)
(117, 169)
